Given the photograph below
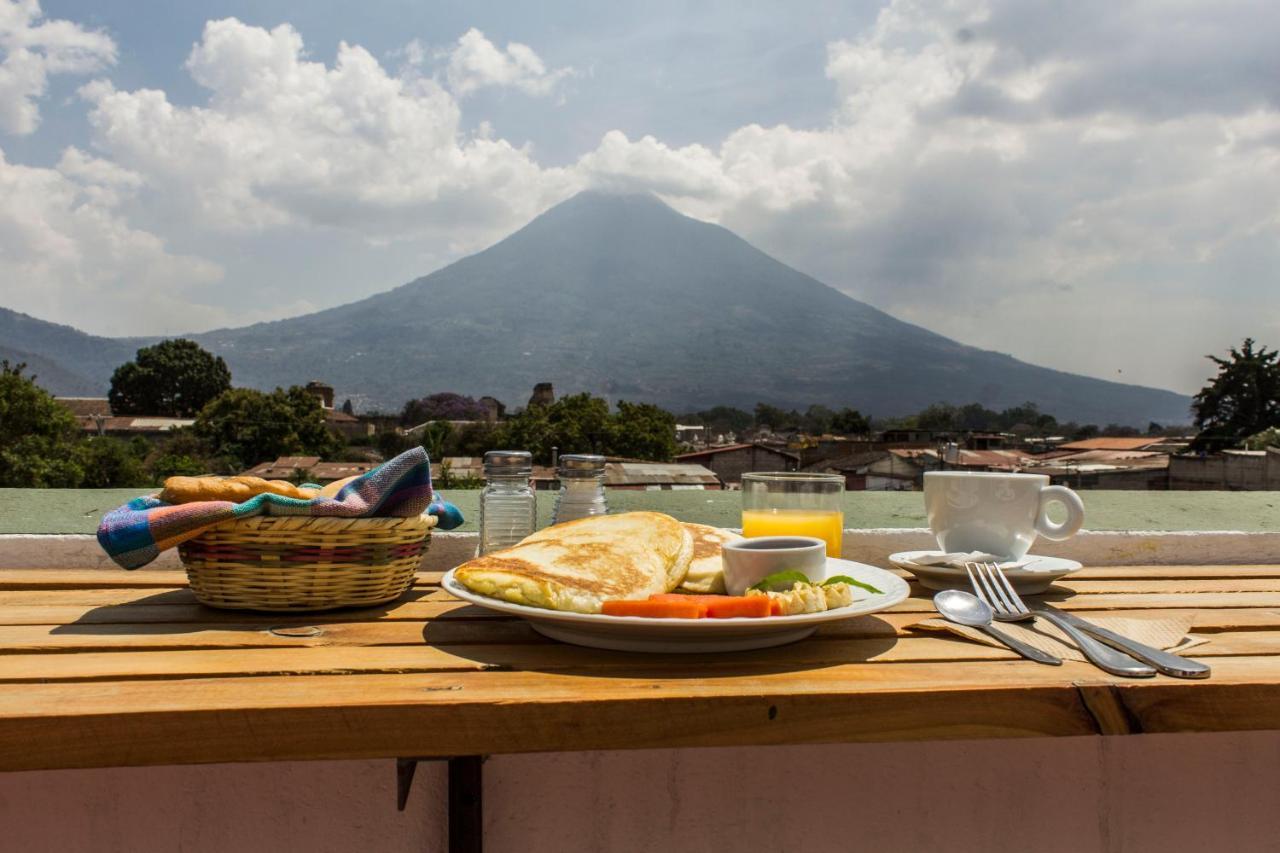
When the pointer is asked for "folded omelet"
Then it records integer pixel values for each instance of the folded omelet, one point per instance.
(580, 564)
(706, 571)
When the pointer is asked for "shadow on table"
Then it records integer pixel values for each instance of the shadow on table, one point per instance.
(515, 647)
(178, 612)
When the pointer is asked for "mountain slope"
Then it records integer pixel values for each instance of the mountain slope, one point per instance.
(621, 295)
(65, 360)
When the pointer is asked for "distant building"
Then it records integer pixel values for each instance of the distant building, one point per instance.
(322, 392)
(94, 416)
(494, 410)
(309, 468)
(348, 426)
(692, 434)
(854, 467)
(646, 476)
(1155, 443)
(543, 394)
(1230, 470)
(730, 463)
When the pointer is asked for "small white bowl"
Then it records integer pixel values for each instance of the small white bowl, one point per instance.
(749, 561)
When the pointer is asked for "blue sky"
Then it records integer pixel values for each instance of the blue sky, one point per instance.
(1092, 187)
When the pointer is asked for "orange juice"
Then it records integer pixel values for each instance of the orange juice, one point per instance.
(828, 526)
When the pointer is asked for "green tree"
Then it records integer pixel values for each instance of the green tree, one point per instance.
(817, 420)
(113, 463)
(582, 423)
(850, 422)
(182, 454)
(175, 378)
(1243, 399)
(643, 431)
(940, 417)
(775, 418)
(37, 435)
(435, 437)
(1269, 437)
(248, 427)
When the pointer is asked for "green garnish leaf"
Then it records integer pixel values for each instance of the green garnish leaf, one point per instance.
(846, 579)
(781, 581)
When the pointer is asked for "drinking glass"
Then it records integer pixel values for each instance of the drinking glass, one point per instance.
(794, 504)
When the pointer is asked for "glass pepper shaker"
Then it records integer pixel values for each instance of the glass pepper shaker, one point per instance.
(581, 487)
(508, 505)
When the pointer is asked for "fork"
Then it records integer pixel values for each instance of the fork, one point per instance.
(990, 585)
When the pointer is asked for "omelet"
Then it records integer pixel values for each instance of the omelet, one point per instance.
(578, 565)
(706, 572)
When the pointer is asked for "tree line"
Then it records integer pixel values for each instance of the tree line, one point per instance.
(42, 444)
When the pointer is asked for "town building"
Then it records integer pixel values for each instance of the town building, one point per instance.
(348, 426)
(629, 474)
(94, 416)
(1230, 470)
(309, 469)
(730, 463)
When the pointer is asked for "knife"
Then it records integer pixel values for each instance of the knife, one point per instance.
(1166, 662)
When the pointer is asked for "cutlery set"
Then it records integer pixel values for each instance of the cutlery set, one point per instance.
(994, 599)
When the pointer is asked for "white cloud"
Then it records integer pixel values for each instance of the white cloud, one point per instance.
(476, 63)
(66, 250)
(31, 49)
(1031, 189)
(1068, 193)
(288, 142)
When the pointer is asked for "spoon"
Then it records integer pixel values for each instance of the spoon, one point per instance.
(966, 609)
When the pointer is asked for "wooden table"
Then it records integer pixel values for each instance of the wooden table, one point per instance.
(105, 668)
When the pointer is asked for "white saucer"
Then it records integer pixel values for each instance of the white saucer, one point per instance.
(1030, 579)
(642, 634)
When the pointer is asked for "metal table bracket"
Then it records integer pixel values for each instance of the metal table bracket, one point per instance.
(465, 798)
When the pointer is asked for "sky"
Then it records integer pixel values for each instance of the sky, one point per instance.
(1090, 186)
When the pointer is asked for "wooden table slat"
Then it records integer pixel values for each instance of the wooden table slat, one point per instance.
(107, 668)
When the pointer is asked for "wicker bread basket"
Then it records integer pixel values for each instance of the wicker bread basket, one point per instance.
(304, 563)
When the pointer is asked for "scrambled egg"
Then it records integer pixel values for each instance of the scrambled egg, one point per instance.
(810, 598)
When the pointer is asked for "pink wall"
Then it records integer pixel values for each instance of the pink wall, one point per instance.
(1162, 793)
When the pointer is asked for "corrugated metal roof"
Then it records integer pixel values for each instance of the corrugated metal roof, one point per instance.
(1113, 443)
(711, 451)
(86, 407)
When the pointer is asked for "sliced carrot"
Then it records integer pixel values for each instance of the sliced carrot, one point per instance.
(655, 609)
(677, 597)
(730, 607)
(724, 606)
(775, 607)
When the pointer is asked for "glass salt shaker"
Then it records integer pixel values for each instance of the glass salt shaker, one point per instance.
(581, 487)
(508, 505)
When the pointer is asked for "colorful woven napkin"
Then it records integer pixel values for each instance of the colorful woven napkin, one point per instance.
(135, 534)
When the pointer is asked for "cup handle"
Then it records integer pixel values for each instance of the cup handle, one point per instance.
(1075, 513)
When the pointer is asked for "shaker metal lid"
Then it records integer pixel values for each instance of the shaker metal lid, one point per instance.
(581, 462)
(508, 459)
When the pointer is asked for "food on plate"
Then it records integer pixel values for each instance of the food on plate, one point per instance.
(805, 597)
(655, 609)
(578, 565)
(722, 606)
(182, 490)
(706, 572)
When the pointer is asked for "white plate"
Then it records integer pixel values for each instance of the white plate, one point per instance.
(642, 634)
(1034, 577)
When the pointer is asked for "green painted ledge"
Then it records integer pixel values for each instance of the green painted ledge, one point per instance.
(78, 510)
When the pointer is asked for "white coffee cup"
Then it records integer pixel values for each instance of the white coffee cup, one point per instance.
(749, 561)
(998, 514)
